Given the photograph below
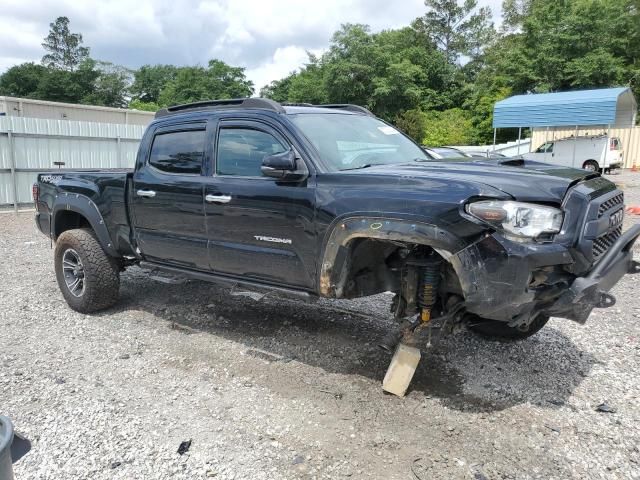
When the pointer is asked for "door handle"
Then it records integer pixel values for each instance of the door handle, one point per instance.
(146, 193)
(218, 198)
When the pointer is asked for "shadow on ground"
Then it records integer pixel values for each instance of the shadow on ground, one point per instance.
(463, 371)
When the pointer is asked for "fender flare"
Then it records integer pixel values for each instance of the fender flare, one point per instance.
(334, 264)
(83, 205)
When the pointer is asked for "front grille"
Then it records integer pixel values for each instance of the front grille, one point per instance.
(602, 244)
(610, 204)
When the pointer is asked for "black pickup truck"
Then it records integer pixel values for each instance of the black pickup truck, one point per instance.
(329, 201)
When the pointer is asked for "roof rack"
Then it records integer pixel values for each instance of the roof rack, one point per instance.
(348, 107)
(297, 104)
(263, 103)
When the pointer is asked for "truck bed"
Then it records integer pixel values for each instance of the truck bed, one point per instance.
(106, 190)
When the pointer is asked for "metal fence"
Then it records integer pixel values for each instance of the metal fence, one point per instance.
(630, 138)
(32, 145)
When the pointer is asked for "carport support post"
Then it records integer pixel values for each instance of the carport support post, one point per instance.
(12, 164)
(575, 142)
(546, 139)
(519, 137)
(494, 139)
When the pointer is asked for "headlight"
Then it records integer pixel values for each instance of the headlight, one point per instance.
(518, 220)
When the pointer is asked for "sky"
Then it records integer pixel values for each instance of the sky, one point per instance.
(269, 38)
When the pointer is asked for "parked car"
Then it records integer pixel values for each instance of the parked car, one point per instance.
(487, 154)
(593, 153)
(329, 201)
(445, 152)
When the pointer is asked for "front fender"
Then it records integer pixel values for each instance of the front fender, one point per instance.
(334, 264)
(84, 206)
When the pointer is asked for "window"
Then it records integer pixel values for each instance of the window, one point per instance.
(178, 152)
(545, 147)
(241, 150)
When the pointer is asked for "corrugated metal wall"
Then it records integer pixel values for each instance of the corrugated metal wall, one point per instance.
(31, 145)
(29, 108)
(630, 138)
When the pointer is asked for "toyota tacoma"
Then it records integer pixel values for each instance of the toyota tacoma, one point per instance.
(330, 201)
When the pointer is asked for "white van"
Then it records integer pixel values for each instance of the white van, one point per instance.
(591, 153)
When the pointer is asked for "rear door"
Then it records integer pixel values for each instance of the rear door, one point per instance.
(167, 197)
(258, 228)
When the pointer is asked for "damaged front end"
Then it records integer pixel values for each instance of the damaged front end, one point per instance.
(496, 277)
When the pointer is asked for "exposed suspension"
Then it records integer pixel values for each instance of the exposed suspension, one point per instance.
(429, 283)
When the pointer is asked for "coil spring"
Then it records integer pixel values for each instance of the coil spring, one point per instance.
(430, 283)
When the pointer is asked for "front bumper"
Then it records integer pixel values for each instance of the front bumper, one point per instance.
(591, 290)
(514, 283)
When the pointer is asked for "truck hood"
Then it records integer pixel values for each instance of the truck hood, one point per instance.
(522, 179)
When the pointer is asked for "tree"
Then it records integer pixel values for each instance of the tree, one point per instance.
(111, 86)
(22, 80)
(65, 86)
(309, 85)
(218, 80)
(278, 90)
(145, 106)
(413, 123)
(450, 127)
(349, 65)
(455, 28)
(149, 80)
(568, 44)
(65, 48)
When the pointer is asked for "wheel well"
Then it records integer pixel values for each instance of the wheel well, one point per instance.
(374, 266)
(68, 220)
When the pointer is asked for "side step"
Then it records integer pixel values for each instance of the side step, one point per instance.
(167, 274)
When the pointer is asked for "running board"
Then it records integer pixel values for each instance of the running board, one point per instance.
(177, 274)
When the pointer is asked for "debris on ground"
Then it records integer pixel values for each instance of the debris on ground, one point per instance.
(184, 447)
(604, 408)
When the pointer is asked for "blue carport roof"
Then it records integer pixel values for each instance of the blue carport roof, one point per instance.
(606, 106)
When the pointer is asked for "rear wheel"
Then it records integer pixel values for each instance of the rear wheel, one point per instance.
(591, 166)
(497, 330)
(88, 278)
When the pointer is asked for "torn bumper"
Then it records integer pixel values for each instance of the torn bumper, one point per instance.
(590, 291)
(497, 275)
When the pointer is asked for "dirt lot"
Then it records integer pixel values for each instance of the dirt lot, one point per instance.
(274, 389)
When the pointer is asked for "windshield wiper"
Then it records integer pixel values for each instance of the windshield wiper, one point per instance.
(366, 165)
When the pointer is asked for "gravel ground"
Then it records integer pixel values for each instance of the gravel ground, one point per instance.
(274, 389)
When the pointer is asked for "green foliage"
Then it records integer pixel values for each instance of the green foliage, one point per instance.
(450, 127)
(456, 28)
(110, 86)
(145, 106)
(21, 80)
(388, 72)
(412, 76)
(278, 90)
(149, 80)
(65, 50)
(413, 123)
(218, 80)
(567, 44)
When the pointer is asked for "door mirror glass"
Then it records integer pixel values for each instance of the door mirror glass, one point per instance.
(286, 166)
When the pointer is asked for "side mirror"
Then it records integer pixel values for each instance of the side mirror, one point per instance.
(285, 166)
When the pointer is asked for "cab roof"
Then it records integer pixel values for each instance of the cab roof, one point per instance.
(261, 104)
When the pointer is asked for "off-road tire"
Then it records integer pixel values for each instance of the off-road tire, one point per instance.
(591, 165)
(501, 331)
(101, 273)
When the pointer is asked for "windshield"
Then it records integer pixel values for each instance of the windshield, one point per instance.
(347, 142)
